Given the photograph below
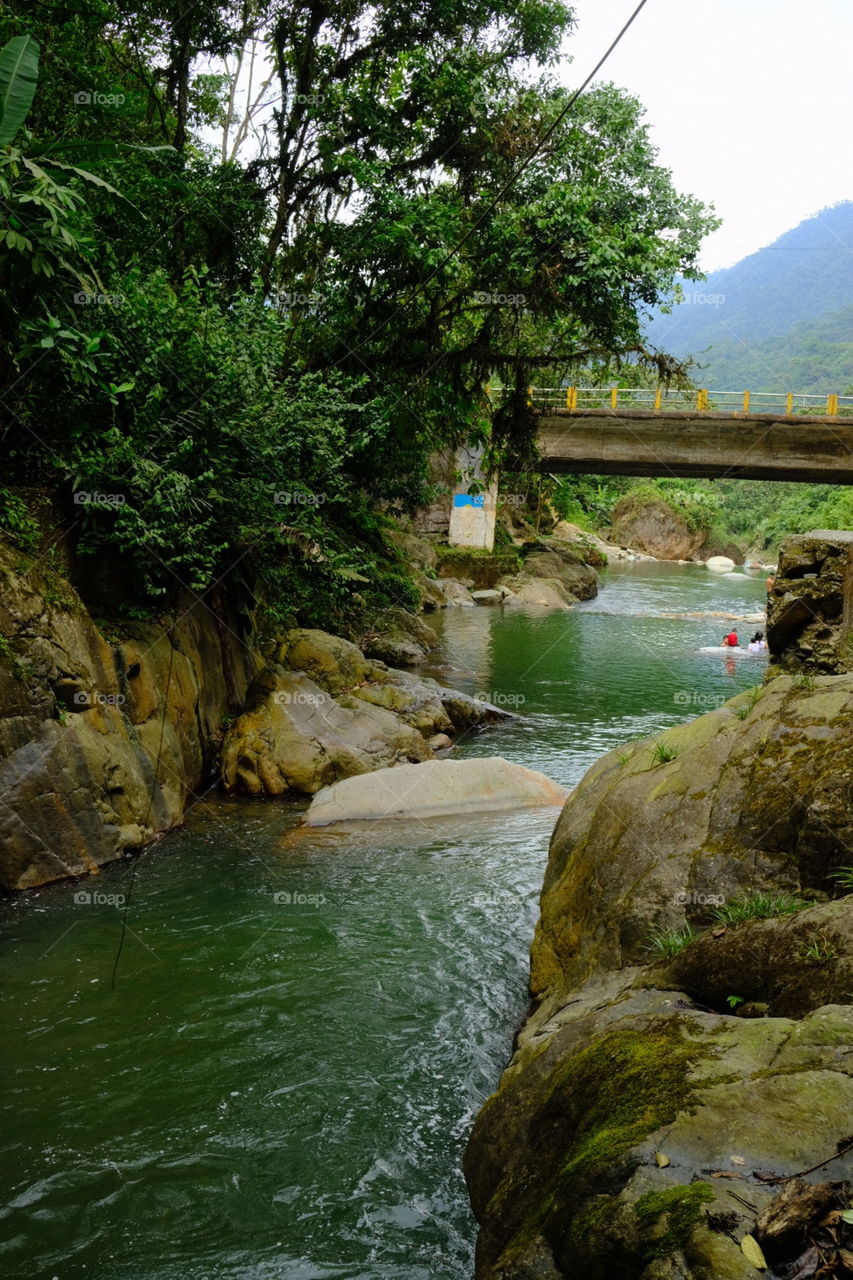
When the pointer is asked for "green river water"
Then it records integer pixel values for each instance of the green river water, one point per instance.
(281, 1089)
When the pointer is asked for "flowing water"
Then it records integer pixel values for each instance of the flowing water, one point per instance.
(280, 1083)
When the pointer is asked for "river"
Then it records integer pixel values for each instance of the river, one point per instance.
(281, 1090)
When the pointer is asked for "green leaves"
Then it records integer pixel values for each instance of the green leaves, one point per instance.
(19, 59)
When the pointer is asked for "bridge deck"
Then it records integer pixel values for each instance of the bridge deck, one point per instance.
(710, 444)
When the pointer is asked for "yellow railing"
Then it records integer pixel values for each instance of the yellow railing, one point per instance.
(700, 399)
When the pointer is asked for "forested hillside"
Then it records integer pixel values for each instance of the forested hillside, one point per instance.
(780, 319)
(224, 360)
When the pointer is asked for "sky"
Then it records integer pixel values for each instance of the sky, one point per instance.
(750, 103)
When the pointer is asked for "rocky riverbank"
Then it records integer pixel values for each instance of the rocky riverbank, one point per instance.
(110, 731)
(680, 1095)
(108, 735)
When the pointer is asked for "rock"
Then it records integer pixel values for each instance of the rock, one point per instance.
(427, 705)
(579, 580)
(296, 737)
(810, 607)
(562, 1159)
(790, 965)
(544, 592)
(402, 639)
(82, 722)
(440, 742)
(430, 591)
(719, 564)
(456, 593)
(395, 649)
(495, 596)
(762, 803)
(587, 546)
(437, 787)
(335, 664)
(652, 526)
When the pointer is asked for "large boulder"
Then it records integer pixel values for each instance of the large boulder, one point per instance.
(295, 737)
(643, 1128)
(636, 1135)
(400, 638)
(437, 787)
(810, 606)
(756, 795)
(336, 664)
(558, 560)
(547, 593)
(653, 526)
(425, 704)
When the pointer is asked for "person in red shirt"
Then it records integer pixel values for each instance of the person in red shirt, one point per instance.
(731, 641)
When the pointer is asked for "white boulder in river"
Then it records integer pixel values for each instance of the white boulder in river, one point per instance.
(720, 564)
(432, 788)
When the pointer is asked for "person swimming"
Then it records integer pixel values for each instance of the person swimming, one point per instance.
(757, 644)
(730, 641)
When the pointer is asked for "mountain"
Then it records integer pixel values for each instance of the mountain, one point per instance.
(781, 319)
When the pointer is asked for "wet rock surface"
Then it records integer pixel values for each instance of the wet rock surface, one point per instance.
(653, 1107)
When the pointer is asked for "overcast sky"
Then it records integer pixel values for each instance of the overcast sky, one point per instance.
(750, 103)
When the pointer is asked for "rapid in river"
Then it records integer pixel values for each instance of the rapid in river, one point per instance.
(280, 1083)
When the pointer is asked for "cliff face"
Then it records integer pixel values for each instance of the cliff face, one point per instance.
(677, 1066)
(82, 722)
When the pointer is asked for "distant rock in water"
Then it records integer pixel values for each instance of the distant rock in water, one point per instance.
(654, 527)
(433, 788)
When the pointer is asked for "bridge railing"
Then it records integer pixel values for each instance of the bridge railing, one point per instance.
(701, 400)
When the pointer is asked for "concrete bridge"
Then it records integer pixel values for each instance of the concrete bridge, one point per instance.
(714, 435)
(659, 432)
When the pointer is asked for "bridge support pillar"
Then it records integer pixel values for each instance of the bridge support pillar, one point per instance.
(472, 516)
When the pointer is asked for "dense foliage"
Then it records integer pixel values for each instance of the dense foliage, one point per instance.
(236, 328)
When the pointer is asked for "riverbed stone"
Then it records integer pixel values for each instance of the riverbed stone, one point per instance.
(488, 784)
(547, 593)
(296, 738)
(456, 593)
